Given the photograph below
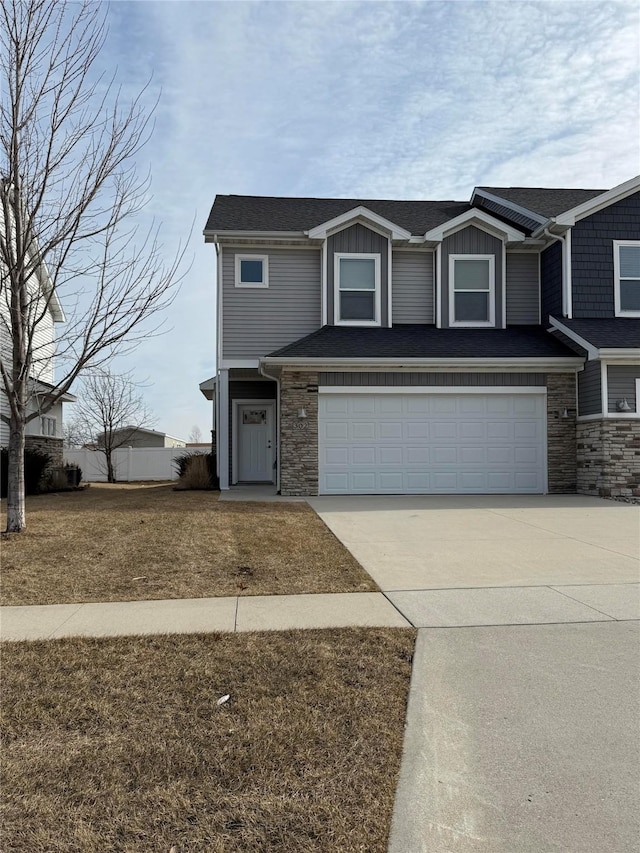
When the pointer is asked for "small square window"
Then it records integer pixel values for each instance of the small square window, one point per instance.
(252, 271)
(626, 263)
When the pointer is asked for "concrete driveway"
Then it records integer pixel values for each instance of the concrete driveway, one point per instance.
(522, 725)
(449, 561)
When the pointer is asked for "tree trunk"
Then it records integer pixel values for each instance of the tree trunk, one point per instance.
(111, 474)
(16, 517)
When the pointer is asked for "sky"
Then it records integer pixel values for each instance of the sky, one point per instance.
(367, 100)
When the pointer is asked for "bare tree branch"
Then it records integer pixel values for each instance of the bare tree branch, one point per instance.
(70, 198)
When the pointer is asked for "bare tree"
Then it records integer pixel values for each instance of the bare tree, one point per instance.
(69, 198)
(195, 436)
(110, 409)
(73, 434)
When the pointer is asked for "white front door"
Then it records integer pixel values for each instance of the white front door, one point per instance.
(255, 437)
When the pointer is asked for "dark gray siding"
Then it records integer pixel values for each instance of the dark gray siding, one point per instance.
(589, 389)
(551, 281)
(412, 287)
(621, 384)
(592, 255)
(247, 390)
(446, 380)
(358, 238)
(470, 241)
(258, 321)
(523, 289)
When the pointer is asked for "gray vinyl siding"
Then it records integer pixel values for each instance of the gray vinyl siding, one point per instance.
(257, 321)
(359, 239)
(589, 389)
(523, 289)
(446, 380)
(246, 390)
(592, 255)
(412, 287)
(470, 241)
(621, 384)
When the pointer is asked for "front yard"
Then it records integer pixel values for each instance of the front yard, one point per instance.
(131, 542)
(119, 744)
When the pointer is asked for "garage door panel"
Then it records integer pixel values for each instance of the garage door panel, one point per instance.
(431, 443)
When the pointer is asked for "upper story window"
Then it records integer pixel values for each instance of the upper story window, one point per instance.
(48, 426)
(357, 289)
(472, 290)
(626, 273)
(252, 271)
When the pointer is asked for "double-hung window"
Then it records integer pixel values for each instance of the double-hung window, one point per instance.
(357, 289)
(626, 266)
(252, 271)
(472, 290)
(48, 426)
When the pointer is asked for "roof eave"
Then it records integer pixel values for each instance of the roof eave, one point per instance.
(547, 363)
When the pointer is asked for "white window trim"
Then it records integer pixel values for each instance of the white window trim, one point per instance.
(265, 271)
(616, 277)
(491, 322)
(363, 256)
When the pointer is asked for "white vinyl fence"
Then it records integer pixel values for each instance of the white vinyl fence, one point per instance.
(130, 463)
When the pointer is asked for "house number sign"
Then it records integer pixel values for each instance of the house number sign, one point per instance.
(300, 425)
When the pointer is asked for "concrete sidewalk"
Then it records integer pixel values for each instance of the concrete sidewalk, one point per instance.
(440, 608)
(193, 615)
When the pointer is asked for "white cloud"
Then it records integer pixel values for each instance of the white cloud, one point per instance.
(414, 100)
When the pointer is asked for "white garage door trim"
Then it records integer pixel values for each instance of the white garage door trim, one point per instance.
(456, 480)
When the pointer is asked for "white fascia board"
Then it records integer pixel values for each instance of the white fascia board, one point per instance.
(592, 352)
(472, 217)
(432, 389)
(212, 236)
(511, 205)
(593, 205)
(630, 355)
(506, 365)
(321, 231)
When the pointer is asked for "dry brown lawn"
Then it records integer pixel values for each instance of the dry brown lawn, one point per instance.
(131, 542)
(119, 745)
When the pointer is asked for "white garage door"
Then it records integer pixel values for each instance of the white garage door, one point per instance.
(431, 443)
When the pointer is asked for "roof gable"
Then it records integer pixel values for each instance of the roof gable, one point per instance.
(359, 213)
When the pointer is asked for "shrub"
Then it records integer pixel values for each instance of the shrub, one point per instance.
(196, 471)
(64, 479)
(35, 462)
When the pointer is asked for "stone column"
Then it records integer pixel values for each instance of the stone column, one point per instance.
(298, 436)
(561, 433)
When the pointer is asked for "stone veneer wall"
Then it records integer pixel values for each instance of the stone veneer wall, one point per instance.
(609, 457)
(561, 433)
(47, 444)
(298, 436)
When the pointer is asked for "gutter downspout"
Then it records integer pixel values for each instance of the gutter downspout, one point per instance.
(566, 270)
(275, 379)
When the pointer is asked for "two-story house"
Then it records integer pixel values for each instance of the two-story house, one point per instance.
(417, 347)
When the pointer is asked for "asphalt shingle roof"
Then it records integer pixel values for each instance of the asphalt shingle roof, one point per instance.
(608, 332)
(545, 202)
(265, 213)
(272, 213)
(425, 342)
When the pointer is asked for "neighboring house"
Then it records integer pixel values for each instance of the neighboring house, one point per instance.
(132, 436)
(43, 432)
(417, 347)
